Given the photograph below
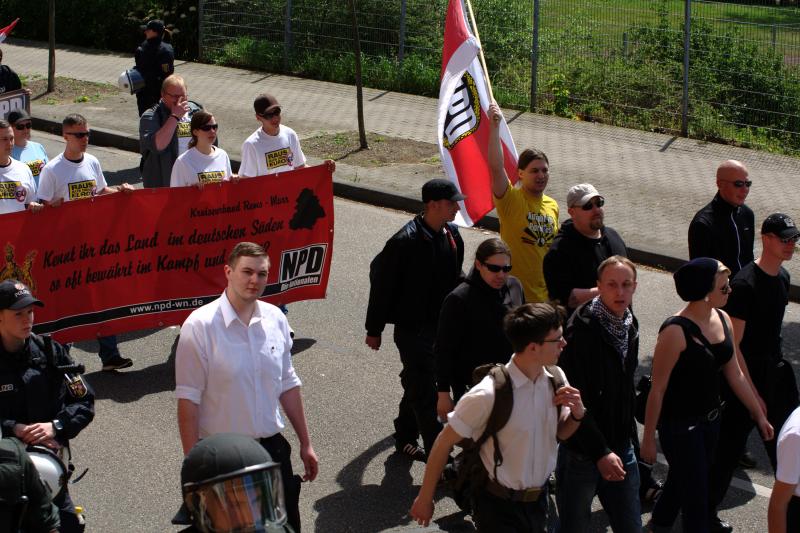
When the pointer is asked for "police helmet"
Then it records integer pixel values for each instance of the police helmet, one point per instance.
(231, 484)
(131, 80)
(51, 469)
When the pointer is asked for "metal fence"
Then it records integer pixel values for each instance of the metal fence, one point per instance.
(726, 71)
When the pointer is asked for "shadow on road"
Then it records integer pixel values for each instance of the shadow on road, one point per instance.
(372, 508)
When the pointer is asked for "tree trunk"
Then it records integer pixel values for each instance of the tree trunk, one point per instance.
(51, 66)
(362, 132)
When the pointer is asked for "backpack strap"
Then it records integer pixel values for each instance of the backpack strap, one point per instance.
(557, 380)
(501, 408)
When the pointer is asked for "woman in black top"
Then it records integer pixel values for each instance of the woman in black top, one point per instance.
(692, 348)
(470, 331)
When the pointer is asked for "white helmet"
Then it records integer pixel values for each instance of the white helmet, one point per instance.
(51, 469)
(131, 80)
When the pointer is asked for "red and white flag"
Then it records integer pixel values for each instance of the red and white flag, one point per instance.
(4, 32)
(463, 128)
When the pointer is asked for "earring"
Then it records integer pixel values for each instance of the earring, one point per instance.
(705, 299)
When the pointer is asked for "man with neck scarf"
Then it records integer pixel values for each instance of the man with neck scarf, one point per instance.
(155, 60)
(600, 360)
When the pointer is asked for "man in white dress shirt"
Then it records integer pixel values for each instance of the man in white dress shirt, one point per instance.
(516, 498)
(234, 367)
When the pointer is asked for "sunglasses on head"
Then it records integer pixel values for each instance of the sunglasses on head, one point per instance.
(497, 268)
(209, 127)
(23, 126)
(741, 183)
(274, 113)
(594, 202)
(78, 134)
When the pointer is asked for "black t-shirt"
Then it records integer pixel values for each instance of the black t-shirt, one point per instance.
(760, 300)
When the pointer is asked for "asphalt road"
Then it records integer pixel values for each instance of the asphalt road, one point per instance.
(132, 448)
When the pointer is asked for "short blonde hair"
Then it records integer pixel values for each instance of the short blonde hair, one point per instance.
(175, 80)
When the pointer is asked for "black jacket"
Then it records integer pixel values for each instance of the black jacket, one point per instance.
(33, 390)
(572, 261)
(19, 477)
(595, 367)
(724, 232)
(401, 285)
(9, 81)
(155, 60)
(470, 330)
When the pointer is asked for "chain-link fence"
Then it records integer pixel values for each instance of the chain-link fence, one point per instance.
(621, 62)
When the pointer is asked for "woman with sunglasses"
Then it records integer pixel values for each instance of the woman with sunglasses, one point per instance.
(693, 347)
(202, 163)
(470, 331)
(25, 150)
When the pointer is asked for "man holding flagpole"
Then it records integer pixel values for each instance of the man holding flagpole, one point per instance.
(528, 217)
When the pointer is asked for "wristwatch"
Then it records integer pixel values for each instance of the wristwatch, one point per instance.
(58, 427)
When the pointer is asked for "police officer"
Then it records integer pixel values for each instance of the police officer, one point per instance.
(213, 476)
(43, 399)
(24, 499)
(155, 61)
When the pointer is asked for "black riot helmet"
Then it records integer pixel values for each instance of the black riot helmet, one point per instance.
(231, 485)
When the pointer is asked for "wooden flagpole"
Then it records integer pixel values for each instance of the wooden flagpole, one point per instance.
(480, 51)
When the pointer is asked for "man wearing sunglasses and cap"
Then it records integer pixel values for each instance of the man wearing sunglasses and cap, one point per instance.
(409, 279)
(272, 148)
(76, 175)
(725, 228)
(44, 401)
(25, 150)
(758, 300)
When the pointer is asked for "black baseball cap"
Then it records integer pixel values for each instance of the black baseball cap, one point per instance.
(440, 189)
(15, 295)
(265, 103)
(781, 225)
(16, 116)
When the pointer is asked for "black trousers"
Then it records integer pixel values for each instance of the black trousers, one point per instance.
(417, 410)
(281, 452)
(778, 389)
(793, 515)
(67, 515)
(495, 515)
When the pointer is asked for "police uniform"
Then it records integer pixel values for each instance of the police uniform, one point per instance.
(24, 499)
(155, 61)
(40, 383)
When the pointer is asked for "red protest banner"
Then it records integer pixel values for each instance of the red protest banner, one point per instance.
(125, 262)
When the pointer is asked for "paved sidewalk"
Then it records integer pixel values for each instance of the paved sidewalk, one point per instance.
(653, 183)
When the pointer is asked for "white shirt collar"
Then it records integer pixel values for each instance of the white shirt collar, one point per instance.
(519, 379)
(229, 313)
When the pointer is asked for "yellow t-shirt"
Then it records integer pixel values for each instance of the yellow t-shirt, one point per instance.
(528, 225)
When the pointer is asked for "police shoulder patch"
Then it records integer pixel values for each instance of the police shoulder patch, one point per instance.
(75, 385)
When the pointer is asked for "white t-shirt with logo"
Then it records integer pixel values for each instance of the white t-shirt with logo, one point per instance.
(61, 178)
(264, 154)
(184, 133)
(17, 187)
(193, 167)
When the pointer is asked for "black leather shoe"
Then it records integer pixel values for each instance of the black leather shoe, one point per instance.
(719, 526)
(747, 460)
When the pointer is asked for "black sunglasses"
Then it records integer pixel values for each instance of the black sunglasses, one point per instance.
(274, 113)
(497, 268)
(741, 183)
(78, 134)
(209, 127)
(594, 202)
(21, 127)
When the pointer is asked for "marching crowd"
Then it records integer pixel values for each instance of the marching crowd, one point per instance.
(562, 330)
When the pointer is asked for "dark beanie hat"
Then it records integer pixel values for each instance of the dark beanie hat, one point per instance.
(220, 454)
(695, 279)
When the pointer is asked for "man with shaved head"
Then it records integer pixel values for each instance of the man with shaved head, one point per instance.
(724, 229)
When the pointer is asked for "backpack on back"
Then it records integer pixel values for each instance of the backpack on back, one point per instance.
(467, 475)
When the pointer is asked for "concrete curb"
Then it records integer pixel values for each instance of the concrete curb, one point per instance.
(377, 197)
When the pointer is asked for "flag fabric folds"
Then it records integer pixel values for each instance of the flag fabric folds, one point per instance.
(4, 32)
(463, 125)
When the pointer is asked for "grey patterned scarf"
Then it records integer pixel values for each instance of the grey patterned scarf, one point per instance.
(618, 327)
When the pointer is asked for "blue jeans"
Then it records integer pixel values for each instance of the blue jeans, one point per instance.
(689, 448)
(578, 480)
(108, 348)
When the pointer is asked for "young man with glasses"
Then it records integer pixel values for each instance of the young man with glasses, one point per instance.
(760, 294)
(17, 186)
(25, 150)
(76, 175)
(725, 228)
(165, 132)
(272, 148)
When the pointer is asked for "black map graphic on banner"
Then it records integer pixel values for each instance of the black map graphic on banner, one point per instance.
(307, 210)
